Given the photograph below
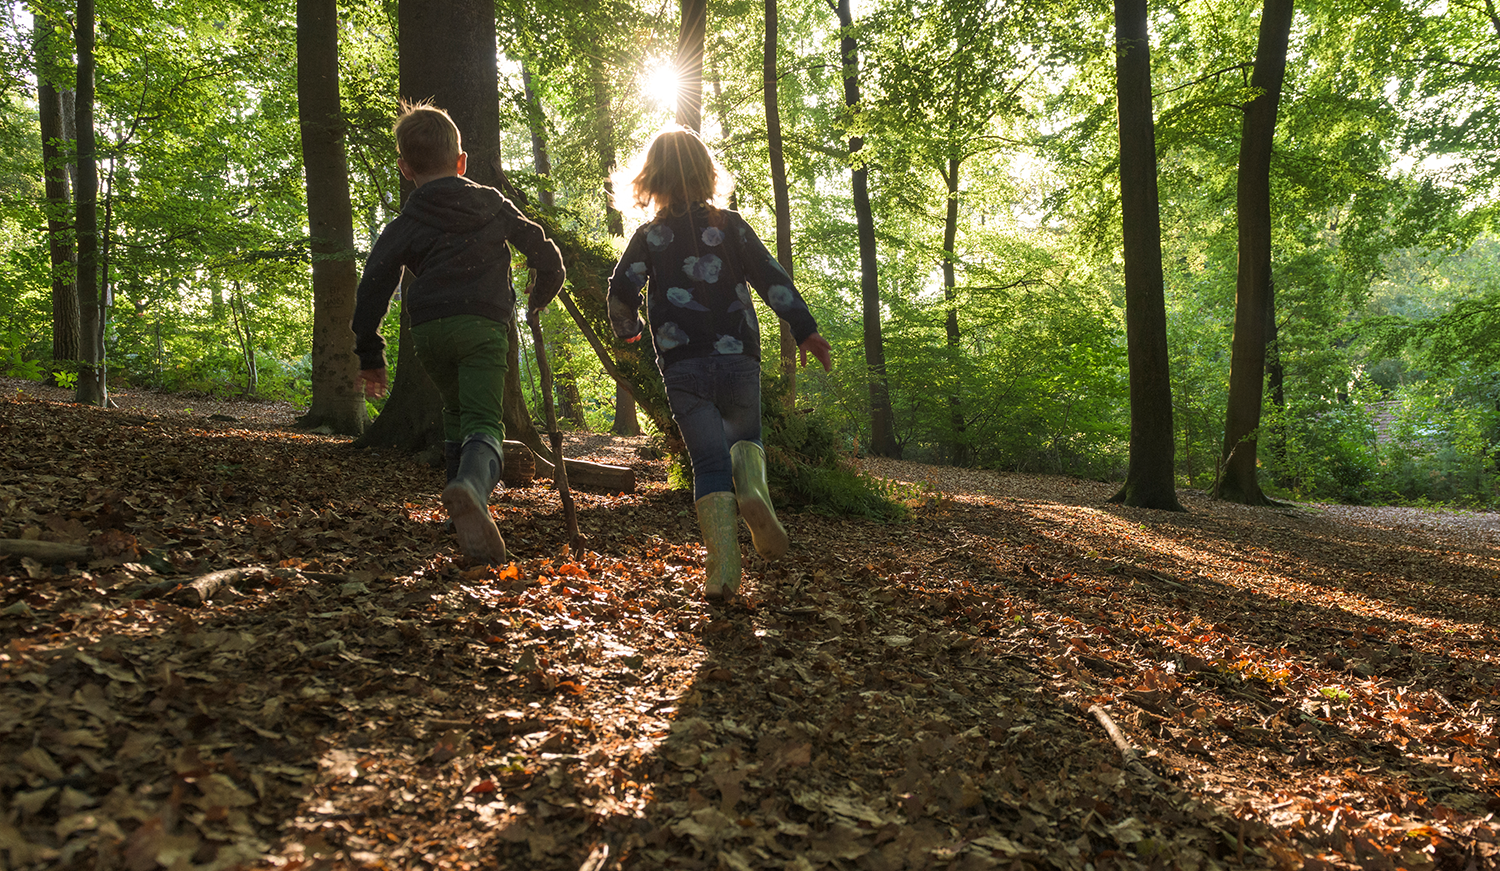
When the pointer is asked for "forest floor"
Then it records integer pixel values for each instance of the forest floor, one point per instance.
(1306, 686)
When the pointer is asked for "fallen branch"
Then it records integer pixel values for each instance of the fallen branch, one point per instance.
(196, 592)
(1128, 754)
(48, 551)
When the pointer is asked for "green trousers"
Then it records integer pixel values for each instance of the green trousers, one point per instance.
(467, 357)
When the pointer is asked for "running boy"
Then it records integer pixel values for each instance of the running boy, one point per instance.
(700, 262)
(452, 235)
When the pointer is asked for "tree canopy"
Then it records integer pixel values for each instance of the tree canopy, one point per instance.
(987, 138)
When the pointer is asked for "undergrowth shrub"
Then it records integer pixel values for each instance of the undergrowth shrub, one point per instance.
(807, 469)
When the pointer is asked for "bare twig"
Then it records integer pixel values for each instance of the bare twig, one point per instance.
(1128, 754)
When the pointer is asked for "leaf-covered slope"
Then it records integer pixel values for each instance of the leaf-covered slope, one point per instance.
(1303, 692)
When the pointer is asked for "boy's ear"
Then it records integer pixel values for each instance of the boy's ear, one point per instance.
(406, 171)
(463, 162)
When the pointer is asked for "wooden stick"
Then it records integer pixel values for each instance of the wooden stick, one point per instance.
(47, 551)
(1130, 755)
(560, 469)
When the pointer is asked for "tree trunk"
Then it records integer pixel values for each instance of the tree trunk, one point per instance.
(1247, 363)
(91, 388)
(536, 124)
(770, 84)
(1149, 482)
(958, 452)
(50, 106)
(604, 144)
(690, 39)
(447, 54)
(412, 419)
(882, 423)
(338, 403)
(625, 423)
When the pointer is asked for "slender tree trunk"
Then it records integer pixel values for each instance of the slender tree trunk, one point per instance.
(625, 423)
(569, 400)
(771, 83)
(604, 144)
(882, 423)
(1275, 373)
(91, 389)
(1149, 483)
(536, 124)
(338, 403)
(1247, 364)
(690, 40)
(566, 382)
(50, 108)
(958, 452)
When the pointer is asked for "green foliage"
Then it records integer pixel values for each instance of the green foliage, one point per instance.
(808, 469)
(1320, 449)
(1444, 442)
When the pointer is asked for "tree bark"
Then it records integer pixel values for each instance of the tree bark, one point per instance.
(625, 423)
(1252, 312)
(690, 40)
(604, 144)
(537, 126)
(770, 83)
(338, 403)
(50, 106)
(882, 424)
(1149, 482)
(91, 388)
(447, 54)
(958, 452)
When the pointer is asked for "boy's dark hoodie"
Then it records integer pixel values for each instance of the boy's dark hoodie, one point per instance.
(452, 235)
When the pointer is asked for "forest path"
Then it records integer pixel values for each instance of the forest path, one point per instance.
(1307, 686)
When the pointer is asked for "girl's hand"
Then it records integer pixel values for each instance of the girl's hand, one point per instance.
(817, 346)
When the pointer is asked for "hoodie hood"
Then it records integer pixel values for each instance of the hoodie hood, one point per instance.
(453, 205)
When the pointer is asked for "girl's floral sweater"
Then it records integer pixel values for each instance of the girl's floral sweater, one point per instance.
(700, 265)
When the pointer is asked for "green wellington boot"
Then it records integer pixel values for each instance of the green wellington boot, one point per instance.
(770, 537)
(467, 498)
(720, 524)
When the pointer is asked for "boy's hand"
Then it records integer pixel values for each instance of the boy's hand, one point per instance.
(817, 346)
(374, 381)
(542, 289)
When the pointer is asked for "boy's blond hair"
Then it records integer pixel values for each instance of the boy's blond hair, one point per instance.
(678, 170)
(426, 138)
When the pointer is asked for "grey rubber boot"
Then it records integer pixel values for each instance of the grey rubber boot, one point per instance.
(767, 533)
(467, 498)
(720, 524)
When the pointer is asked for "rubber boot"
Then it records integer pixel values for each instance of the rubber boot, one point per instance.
(769, 536)
(719, 522)
(467, 498)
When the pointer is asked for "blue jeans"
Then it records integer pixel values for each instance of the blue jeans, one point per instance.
(716, 402)
(466, 357)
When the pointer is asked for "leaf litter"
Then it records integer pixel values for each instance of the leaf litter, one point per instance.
(1300, 687)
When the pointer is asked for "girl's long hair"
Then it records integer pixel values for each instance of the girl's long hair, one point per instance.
(676, 170)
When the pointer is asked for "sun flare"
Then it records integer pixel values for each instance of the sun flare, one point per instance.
(660, 85)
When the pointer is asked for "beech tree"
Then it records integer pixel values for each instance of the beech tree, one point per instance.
(54, 111)
(338, 403)
(91, 387)
(781, 198)
(1254, 312)
(1149, 482)
(882, 419)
